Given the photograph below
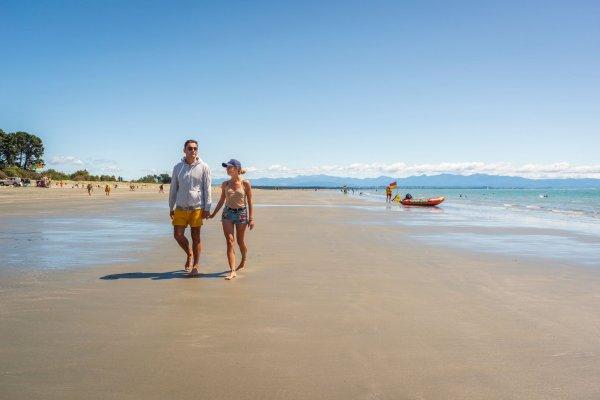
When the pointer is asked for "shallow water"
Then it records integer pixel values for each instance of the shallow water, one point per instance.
(567, 222)
(117, 233)
(51, 241)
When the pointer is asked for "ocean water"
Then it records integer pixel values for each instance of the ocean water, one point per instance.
(555, 223)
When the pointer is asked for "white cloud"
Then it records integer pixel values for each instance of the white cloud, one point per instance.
(400, 169)
(95, 166)
(65, 160)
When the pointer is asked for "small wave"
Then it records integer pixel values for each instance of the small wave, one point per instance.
(572, 212)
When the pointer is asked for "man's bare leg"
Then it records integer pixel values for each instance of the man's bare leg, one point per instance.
(196, 249)
(179, 235)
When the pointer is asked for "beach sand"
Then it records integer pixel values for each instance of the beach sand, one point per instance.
(330, 307)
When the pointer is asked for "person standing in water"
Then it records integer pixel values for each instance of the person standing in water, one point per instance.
(388, 194)
(236, 193)
(190, 202)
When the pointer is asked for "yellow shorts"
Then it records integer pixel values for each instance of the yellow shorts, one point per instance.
(192, 218)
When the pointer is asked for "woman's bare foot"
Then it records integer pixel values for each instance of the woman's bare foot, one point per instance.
(242, 264)
(195, 270)
(188, 263)
(231, 275)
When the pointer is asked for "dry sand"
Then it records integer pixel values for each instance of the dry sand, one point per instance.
(331, 307)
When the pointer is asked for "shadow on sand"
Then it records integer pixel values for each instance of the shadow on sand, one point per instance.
(179, 274)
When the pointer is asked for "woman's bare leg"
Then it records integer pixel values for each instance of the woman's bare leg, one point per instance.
(230, 240)
(240, 232)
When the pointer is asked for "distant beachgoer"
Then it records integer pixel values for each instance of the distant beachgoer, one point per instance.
(89, 189)
(408, 196)
(161, 188)
(107, 190)
(388, 194)
(190, 202)
(236, 193)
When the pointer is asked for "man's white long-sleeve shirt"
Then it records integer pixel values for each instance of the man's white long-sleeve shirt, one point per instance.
(190, 186)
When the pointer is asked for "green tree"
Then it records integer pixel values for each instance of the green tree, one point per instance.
(147, 179)
(32, 152)
(81, 175)
(164, 178)
(13, 170)
(56, 175)
(8, 149)
(21, 149)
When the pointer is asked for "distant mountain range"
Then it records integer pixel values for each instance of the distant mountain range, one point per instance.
(437, 181)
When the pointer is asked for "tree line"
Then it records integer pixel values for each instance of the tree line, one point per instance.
(21, 154)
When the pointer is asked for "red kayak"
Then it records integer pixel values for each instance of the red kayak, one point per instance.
(423, 202)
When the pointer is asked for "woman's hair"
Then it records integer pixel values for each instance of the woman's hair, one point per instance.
(242, 171)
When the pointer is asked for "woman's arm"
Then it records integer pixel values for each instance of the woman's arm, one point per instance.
(248, 189)
(221, 201)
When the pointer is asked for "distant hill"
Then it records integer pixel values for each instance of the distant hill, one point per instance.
(438, 181)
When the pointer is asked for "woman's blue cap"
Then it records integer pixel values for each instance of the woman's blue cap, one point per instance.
(232, 163)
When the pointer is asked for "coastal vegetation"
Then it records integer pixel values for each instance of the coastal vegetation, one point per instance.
(21, 156)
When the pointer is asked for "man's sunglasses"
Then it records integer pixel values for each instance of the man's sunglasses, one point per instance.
(192, 149)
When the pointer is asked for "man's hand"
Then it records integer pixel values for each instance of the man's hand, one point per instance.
(171, 213)
(205, 214)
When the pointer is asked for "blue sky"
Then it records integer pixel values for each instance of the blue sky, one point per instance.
(347, 88)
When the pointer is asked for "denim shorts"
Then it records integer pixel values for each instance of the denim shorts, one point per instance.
(237, 216)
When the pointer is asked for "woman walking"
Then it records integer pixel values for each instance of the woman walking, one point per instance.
(236, 193)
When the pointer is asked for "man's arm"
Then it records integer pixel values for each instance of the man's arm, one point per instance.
(173, 189)
(206, 192)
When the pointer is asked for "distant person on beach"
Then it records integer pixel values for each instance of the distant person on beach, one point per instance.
(388, 194)
(190, 202)
(107, 190)
(89, 189)
(161, 188)
(236, 193)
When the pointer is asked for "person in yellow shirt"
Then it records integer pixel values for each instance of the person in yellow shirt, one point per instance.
(388, 194)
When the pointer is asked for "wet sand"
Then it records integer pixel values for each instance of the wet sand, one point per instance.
(330, 307)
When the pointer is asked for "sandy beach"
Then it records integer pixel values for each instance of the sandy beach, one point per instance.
(331, 306)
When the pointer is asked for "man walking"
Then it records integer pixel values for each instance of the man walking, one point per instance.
(190, 202)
